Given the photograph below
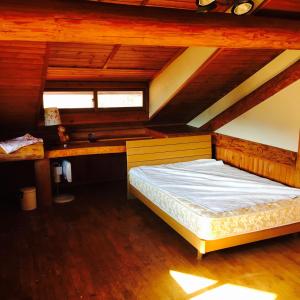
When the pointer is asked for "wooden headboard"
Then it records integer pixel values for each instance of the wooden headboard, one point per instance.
(167, 150)
(267, 161)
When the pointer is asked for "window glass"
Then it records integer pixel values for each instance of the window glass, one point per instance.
(115, 99)
(68, 99)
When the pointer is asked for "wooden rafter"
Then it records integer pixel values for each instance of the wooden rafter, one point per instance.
(264, 92)
(175, 56)
(71, 21)
(112, 54)
(65, 73)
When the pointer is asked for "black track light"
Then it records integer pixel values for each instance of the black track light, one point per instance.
(240, 7)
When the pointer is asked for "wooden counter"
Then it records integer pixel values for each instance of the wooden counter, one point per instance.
(31, 152)
(87, 148)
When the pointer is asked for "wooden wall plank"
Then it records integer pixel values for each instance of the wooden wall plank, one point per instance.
(105, 117)
(275, 154)
(267, 161)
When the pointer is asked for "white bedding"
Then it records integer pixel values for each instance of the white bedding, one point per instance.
(214, 200)
(214, 185)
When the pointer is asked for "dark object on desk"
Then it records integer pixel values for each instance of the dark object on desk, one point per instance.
(92, 138)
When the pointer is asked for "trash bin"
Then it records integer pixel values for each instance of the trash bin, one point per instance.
(28, 200)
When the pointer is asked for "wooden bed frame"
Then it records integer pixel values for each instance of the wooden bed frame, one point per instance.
(178, 149)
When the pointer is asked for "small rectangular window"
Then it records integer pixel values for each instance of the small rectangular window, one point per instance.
(69, 99)
(120, 99)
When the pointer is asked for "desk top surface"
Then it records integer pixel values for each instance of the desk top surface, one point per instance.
(86, 148)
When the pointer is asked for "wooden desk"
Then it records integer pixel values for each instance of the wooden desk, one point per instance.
(31, 152)
(105, 146)
(43, 167)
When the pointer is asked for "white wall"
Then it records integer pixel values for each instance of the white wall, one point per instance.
(167, 84)
(274, 122)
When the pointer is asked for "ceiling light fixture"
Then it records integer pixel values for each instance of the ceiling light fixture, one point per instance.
(206, 5)
(240, 7)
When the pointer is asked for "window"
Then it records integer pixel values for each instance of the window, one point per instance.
(71, 99)
(97, 99)
(119, 99)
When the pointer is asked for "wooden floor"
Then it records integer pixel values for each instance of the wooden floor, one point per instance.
(104, 247)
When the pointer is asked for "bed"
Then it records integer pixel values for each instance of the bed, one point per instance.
(151, 164)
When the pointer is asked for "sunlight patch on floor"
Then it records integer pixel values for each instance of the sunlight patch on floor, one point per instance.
(234, 292)
(191, 283)
(202, 288)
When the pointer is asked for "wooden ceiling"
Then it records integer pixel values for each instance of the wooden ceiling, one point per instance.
(25, 67)
(22, 75)
(94, 62)
(278, 8)
(224, 71)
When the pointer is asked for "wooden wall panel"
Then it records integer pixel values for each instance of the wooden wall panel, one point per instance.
(108, 117)
(267, 161)
(226, 70)
(22, 67)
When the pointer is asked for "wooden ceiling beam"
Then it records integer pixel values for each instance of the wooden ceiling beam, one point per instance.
(111, 55)
(65, 73)
(267, 90)
(90, 22)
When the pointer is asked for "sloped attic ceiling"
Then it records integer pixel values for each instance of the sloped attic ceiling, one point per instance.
(22, 75)
(21, 86)
(222, 73)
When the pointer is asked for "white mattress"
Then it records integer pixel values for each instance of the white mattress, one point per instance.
(214, 200)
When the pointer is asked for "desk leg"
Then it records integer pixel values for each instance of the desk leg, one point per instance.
(43, 182)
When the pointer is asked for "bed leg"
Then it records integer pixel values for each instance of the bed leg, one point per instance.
(199, 255)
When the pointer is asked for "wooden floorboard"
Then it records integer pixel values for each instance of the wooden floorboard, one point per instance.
(103, 246)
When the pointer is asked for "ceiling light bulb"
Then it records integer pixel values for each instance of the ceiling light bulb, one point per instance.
(204, 2)
(241, 7)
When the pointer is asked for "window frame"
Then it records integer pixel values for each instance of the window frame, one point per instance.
(95, 91)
